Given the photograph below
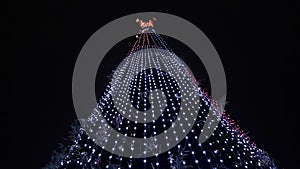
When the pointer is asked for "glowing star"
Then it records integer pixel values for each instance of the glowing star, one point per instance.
(146, 24)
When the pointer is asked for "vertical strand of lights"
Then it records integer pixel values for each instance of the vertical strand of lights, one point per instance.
(186, 138)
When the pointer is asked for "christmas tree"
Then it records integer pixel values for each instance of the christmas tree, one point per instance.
(151, 95)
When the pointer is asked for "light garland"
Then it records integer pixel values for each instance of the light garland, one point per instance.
(228, 147)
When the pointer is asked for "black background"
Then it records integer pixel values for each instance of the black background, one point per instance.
(253, 42)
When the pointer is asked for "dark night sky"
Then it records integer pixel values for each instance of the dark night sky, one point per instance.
(47, 38)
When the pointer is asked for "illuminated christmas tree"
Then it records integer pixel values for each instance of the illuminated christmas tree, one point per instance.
(143, 99)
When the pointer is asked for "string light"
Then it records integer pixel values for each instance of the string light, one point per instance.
(228, 146)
